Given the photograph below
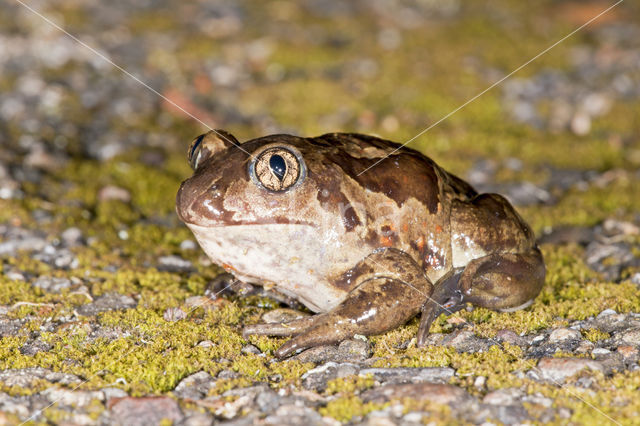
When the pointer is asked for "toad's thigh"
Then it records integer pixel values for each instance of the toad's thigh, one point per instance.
(484, 225)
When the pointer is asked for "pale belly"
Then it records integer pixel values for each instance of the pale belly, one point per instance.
(296, 259)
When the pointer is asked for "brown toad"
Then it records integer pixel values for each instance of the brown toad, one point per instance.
(365, 248)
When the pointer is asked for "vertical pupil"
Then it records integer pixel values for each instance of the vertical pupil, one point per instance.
(278, 166)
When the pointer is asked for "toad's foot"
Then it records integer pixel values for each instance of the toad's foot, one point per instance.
(446, 298)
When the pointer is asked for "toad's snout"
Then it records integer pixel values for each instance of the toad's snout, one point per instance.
(184, 202)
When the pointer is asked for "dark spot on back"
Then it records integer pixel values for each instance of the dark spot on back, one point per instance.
(350, 219)
(404, 174)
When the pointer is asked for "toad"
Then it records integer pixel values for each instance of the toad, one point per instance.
(362, 231)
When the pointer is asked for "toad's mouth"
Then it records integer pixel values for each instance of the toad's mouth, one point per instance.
(271, 222)
(214, 218)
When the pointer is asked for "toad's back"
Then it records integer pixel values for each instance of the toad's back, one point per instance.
(404, 197)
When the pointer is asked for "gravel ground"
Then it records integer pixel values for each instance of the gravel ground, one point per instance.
(111, 314)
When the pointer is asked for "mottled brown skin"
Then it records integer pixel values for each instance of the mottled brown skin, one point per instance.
(368, 249)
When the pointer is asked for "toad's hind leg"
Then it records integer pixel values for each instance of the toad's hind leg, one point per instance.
(503, 282)
(376, 306)
(390, 289)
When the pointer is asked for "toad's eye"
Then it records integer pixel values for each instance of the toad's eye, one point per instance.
(205, 146)
(277, 169)
(195, 153)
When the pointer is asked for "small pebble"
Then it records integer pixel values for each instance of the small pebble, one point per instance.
(631, 337)
(507, 396)
(110, 192)
(629, 352)
(606, 312)
(145, 410)
(250, 349)
(199, 419)
(174, 264)
(557, 370)
(188, 245)
(584, 347)
(581, 123)
(71, 236)
(562, 334)
(538, 338)
(509, 336)
(401, 375)
(14, 275)
(434, 392)
(195, 386)
(52, 284)
(479, 382)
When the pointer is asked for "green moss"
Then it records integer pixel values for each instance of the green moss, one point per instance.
(594, 335)
(266, 344)
(349, 385)
(346, 408)
(12, 291)
(619, 199)
(431, 356)
(14, 212)
(224, 385)
(160, 20)
(26, 263)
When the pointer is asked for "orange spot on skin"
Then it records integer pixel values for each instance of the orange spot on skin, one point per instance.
(405, 227)
(438, 228)
(228, 267)
(386, 241)
(420, 243)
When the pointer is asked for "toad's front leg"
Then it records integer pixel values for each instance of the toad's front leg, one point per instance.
(390, 289)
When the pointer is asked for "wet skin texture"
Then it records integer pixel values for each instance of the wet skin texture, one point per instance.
(365, 249)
